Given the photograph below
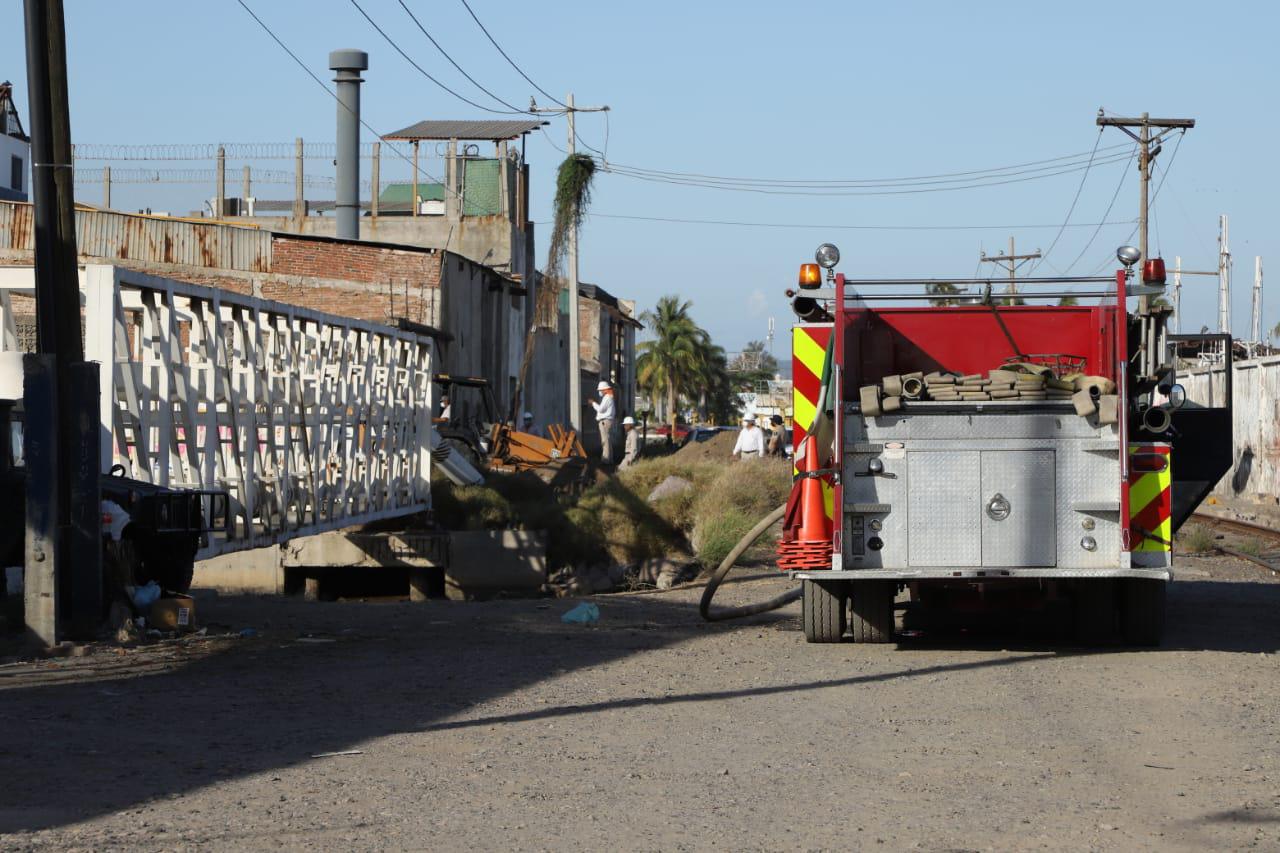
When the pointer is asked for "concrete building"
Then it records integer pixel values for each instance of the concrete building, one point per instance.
(15, 149)
(470, 309)
(607, 347)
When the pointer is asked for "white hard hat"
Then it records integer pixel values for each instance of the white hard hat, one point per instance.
(629, 420)
(528, 416)
(602, 385)
(749, 419)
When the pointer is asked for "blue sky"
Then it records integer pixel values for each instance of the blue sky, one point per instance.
(817, 90)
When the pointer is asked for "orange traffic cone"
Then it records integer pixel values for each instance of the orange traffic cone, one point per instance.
(814, 525)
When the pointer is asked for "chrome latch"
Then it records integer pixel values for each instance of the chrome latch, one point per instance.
(998, 507)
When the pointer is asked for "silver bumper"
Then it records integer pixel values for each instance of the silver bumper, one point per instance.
(981, 574)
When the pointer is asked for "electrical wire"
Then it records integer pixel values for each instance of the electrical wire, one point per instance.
(446, 55)
(509, 60)
(1070, 210)
(853, 182)
(1123, 174)
(424, 72)
(833, 227)
(1164, 173)
(916, 188)
(332, 94)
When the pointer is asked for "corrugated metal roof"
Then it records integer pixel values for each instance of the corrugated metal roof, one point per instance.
(492, 130)
(124, 236)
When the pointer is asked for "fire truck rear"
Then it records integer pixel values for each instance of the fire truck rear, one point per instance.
(984, 450)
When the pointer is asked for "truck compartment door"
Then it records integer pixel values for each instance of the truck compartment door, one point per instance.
(942, 508)
(1019, 508)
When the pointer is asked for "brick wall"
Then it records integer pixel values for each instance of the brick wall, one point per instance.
(353, 261)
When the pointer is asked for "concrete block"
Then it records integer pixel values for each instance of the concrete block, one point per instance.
(257, 571)
(483, 562)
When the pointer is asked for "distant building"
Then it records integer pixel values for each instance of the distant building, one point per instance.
(606, 345)
(15, 149)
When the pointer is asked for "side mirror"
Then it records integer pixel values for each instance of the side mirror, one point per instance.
(1177, 396)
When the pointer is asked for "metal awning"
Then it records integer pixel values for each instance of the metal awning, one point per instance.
(484, 129)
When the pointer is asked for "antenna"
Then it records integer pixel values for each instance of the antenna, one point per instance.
(769, 337)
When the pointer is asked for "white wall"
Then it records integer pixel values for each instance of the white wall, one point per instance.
(10, 147)
(1255, 397)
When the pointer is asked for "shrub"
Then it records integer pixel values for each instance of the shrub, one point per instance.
(1196, 540)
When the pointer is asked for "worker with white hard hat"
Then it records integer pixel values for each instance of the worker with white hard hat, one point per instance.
(750, 441)
(606, 411)
(631, 447)
(526, 425)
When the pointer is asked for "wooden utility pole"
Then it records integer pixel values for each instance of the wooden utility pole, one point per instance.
(63, 546)
(1011, 261)
(1146, 154)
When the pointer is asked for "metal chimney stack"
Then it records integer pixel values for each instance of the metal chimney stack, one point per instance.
(348, 64)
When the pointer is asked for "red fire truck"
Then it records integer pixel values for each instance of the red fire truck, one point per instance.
(982, 449)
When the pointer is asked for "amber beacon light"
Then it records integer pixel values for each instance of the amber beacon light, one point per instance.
(810, 275)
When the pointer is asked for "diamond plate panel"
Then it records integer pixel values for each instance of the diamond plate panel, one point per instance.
(1027, 536)
(943, 508)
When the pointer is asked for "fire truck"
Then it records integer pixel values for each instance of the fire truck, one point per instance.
(989, 450)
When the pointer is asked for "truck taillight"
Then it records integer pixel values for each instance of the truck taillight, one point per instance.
(1149, 463)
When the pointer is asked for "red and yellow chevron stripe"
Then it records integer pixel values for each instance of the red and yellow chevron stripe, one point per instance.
(1150, 497)
(808, 348)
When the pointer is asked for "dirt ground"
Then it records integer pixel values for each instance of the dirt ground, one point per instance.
(495, 726)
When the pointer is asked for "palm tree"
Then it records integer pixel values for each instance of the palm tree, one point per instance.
(674, 361)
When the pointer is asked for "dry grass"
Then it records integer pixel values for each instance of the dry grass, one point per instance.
(1196, 540)
(613, 520)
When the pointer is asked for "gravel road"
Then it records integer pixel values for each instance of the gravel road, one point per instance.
(495, 726)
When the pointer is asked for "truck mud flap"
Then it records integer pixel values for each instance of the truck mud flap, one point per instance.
(1201, 457)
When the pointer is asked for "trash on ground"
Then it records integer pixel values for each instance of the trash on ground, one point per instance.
(338, 753)
(144, 596)
(584, 614)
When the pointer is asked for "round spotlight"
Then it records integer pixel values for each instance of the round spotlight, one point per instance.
(1128, 255)
(875, 466)
(827, 256)
(1089, 543)
(875, 524)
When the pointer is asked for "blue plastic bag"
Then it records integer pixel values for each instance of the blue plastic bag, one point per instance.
(584, 614)
(145, 596)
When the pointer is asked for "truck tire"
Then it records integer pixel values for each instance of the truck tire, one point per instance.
(822, 606)
(177, 574)
(1142, 603)
(1095, 611)
(871, 603)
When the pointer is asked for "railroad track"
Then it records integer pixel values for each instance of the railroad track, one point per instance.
(1268, 560)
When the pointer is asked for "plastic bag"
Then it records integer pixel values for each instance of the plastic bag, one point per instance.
(145, 596)
(584, 614)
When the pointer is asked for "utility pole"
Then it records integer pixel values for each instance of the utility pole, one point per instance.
(1011, 261)
(376, 177)
(1224, 277)
(575, 356)
(63, 547)
(246, 186)
(1177, 294)
(1256, 330)
(1146, 154)
(106, 187)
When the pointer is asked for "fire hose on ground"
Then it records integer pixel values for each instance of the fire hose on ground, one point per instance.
(713, 583)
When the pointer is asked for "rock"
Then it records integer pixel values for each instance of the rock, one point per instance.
(666, 572)
(670, 487)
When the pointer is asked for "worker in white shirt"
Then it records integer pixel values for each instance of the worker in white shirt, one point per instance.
(750, 440)
(606, 410)
(446, 409)
(631, 446)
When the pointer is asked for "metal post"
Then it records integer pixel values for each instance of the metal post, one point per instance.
(220, 188)
(299, 199)
(348, 64)
(245, 188)
(376, 176)
(413, 201)
(575, 356)
(1177, 294)
(106, 187)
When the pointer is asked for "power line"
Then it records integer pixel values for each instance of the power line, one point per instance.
(424, 72)
(1164, 173)
(509, 60)
(1072, 208)
(1123, 173)
(846, 227)
(851, 182)
(916, 188)
(332, 94)
(446, 55)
